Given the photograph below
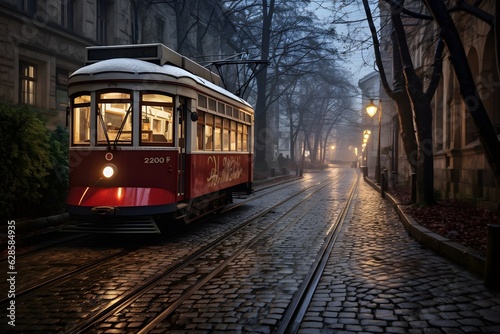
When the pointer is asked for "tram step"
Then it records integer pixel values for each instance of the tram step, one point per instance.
(182, 210)
(139, 225)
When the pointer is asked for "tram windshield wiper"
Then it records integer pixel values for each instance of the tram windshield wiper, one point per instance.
(104, 128)
(122, 126)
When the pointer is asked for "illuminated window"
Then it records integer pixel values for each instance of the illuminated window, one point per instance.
(225, 135)
(232, 136)
(156, 118)
(200, 130)
(245, 138)
(209, 132)
(114, 118)
(80, 133)
(27, 83)
(239, 137)
(218, 133)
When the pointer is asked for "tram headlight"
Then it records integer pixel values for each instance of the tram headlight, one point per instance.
(108, 171)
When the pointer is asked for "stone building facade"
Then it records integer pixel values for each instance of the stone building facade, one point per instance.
(460, 166)
(42, 42)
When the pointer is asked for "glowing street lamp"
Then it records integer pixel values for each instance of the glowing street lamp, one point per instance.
(371, 110)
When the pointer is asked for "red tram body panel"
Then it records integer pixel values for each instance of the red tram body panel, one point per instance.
(153, 141)
(215, 172)
(143, 179)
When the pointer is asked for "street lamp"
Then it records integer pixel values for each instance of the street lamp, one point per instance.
(371, 109)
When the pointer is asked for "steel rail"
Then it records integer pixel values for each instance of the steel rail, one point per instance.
(292, 318)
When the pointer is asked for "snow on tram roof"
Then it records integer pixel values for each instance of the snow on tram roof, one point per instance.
(135, 66)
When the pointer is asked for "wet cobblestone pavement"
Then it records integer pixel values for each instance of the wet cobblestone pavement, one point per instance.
(379, 280)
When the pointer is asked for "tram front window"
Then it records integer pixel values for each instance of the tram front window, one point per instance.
(80, 134)
(114, 119)
(157, 112)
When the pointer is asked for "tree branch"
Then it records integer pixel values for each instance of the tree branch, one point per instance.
(376, 47)
(475, 11)
(437, 71)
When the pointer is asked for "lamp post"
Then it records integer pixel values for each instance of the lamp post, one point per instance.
(364, 154)
(371, 109)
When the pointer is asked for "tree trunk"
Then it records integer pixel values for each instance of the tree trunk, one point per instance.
(405, 115)
(262, 139)
(422, 113)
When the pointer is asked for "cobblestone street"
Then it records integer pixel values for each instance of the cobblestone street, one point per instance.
(379, 280)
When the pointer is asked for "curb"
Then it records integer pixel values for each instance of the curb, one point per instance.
(465, 257)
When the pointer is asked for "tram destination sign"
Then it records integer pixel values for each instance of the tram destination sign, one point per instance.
(156, 53)
(149, 52)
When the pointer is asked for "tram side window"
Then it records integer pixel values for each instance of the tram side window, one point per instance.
(209, 132)
(114, 118)
(239, 137)
(81, 120)
(200, 130)
(202, 101)
(245, 138)
(221, 108)
(212, 105)
(218, 133)
(225, 135)
(157, 126)
(232, 136)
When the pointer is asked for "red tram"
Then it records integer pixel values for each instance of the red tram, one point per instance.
(153, 138)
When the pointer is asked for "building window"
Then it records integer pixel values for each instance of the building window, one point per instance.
(160, 28)
(102, 21)
(27, 83)
(28, 6)
(63, 12)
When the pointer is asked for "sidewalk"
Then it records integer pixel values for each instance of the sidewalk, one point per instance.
(380, 280)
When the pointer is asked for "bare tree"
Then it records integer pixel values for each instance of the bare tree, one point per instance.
(285, 34)
(420, 102)
(468, 91)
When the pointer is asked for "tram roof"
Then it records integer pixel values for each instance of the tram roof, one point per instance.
(135, 66)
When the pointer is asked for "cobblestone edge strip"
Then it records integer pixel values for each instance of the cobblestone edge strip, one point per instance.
(41, 223)
(463, 256)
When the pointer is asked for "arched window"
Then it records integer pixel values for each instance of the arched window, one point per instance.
(488, 84)
(470, 128)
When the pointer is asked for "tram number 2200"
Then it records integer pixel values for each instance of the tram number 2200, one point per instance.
(156, 160)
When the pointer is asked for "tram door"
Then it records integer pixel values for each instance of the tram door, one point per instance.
(182, 110)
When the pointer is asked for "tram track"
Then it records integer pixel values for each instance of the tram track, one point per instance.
(124, 301)
(120, 304)
(296, 310)
(55, 280)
